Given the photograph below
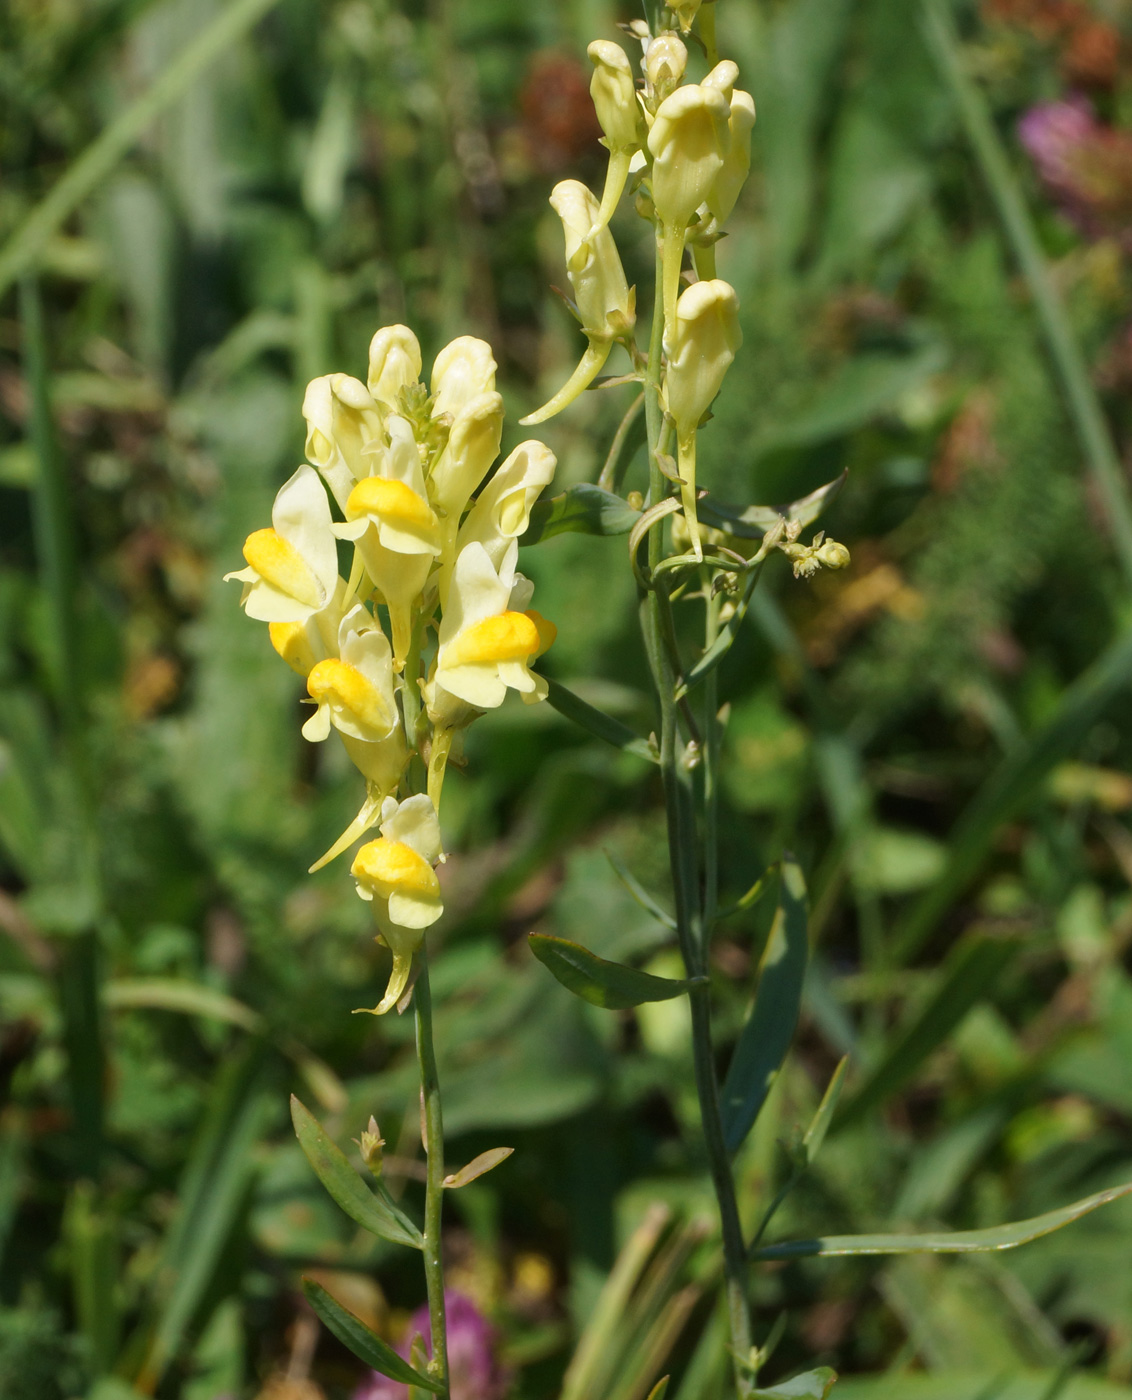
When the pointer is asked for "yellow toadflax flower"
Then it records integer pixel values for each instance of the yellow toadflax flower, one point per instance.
(619, 115)
(353, 691)
(396, 874)
(292, 568)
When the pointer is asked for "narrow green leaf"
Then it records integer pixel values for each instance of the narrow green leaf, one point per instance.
(1013, 784)
(583, 509)
(639, 893)
(752, 896)
(210, 1196)
(944, 1241)
(965, 979)
(478, 1166)
(366, 1345)
(815, 1133)
(599, 982)
(598, 723)
(752, 522)
(179, 994)
(814, 1385)
(376, 1213)
(765, 1039)
(660, 1390)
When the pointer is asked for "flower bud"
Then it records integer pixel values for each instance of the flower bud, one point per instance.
(705, 337)
(371, 1144)
(664, 64)
(615, 96)
(503, 509)
(593, 264)
(833, 555)
(737, 162)
(685, 12)
(688, 141)
(394, 363)
(463, 370)
(473, 444)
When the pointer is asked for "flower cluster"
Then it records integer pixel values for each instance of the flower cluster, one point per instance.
(433, 625)
(688, 145)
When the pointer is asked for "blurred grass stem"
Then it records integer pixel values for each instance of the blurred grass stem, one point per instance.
(684, 854)
(1084, 405)
(27, 244)
(433, 1127)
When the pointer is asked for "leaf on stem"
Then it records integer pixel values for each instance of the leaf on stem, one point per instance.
(639, 893)
(602, 983)
(631, 436)
(583, 509)
(598, 723)
(753, 895)
(478, 1166)
(752, 522)
(765, 1039)
(366, 1345)
(376, 1213)
(723, 642)
(815, 1133)
(813, 1385)
(943, 1241)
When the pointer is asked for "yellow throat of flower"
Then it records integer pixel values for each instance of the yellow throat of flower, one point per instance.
(392, 867)
(509, 636)
(337, 683)
(393, 501)
(280, 564)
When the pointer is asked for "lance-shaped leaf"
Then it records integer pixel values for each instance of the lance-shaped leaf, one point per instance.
(376, 1213)
(765, 1039)
(583, 509)
(598, 723)
(814, 1385)
(477, 1166)
(752, 522)
(366, 1345)
(600, 982)
(944, 1241)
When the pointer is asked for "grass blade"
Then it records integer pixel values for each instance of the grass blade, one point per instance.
(1065, 351)
(765, 1039)
(23, 249)
(1008, 790)
(375, 1213)
(943, 1241)
(966, 979)
(352, 1332)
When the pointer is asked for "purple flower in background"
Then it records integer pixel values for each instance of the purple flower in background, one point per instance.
(476, 1374)
(1086, 165)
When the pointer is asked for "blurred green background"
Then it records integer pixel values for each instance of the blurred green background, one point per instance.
(942, 733)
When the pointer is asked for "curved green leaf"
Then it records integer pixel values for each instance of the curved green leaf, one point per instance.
(583, 509)
(598, 723)
(601, 983)
(376, 1213)
(814, 1385)
(765, 1039)
(477, 1167)
(752, 522)
(944, 1241)
(352, 1332)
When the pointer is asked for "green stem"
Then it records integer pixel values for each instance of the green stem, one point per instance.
(684, 854)
(710, 767)
(434, 1183)
(1065, 351)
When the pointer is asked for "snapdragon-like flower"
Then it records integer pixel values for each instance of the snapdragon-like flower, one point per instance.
(463, 370)
(397, 532)
(473, 444)
(396, 874)
(736, 166)
(503, 509)
(619, 114)
(689, 138)
(292, 568)
(343, 419)
(353, 691)
(605, 301)
(704, 340)
(664, 61)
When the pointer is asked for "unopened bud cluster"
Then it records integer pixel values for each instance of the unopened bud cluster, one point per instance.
(688, 145)
(433, 625)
